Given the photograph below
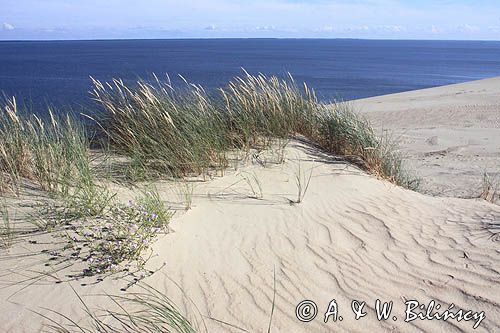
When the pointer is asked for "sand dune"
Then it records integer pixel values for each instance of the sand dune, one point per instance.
(448, 133)
(353, 237)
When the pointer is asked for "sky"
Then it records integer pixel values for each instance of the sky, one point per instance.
(372, 19)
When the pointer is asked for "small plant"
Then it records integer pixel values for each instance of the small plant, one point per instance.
(151, 311)
(105, 234)
(302, 180)
(88, 201)
(186, 192)
(254, 184)
(6, 232)
(278, 150)
(490, 190)
(122, 234)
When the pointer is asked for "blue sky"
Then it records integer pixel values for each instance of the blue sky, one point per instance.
(100, 19)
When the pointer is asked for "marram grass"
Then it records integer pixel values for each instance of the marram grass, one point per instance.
(165, 131)
(176, 133)
(52, 153)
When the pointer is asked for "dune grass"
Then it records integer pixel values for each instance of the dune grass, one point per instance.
(53, 153)
(161, 130)
(170, 132)
(175, 133)
(6, 232)
(151, 311)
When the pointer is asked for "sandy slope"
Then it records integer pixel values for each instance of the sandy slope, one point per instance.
(451, 134)
(353, 237)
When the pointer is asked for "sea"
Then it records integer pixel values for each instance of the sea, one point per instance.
(57, 73)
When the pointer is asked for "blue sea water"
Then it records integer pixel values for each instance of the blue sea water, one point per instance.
(57, 72)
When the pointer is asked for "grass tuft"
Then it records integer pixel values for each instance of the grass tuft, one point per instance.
(148, 311)
(175, 133)
(6, 232)
(52, 153)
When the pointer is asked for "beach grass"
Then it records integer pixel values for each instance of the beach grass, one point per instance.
(166, 131)
(6, 232)
(175, 133)
(146, 310)
(52, 153)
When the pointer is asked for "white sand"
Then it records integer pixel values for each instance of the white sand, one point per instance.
(353, 237)
(451, 134)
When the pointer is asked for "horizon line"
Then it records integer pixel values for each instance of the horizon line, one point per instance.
(246, 38)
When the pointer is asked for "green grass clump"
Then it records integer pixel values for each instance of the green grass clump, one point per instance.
(260, 107)
(341, 131)
(6, 232)
(160, 129)
(175, 133)
(51, 153)
(145, 311)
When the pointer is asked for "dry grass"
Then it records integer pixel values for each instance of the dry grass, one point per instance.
(165, 132)
(51, 153)
(176, 133)
(490, 188)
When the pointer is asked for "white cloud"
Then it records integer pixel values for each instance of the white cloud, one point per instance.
(265, 28)
(289, 18)
(327, 28)
(494, 28)
(468, 28)
(392, 28)
(7, 26)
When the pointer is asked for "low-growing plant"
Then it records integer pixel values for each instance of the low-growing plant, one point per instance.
(278, 149)
(254, 184)
(120, 235)
(489, 188)
(186, 191)
(88, 201)
(302, 180)
(145, 311)
(6, 232)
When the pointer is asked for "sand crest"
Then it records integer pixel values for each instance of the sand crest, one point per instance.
(451, 134)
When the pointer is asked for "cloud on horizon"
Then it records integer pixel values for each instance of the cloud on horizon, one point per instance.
(7, 26)
(427, 19)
